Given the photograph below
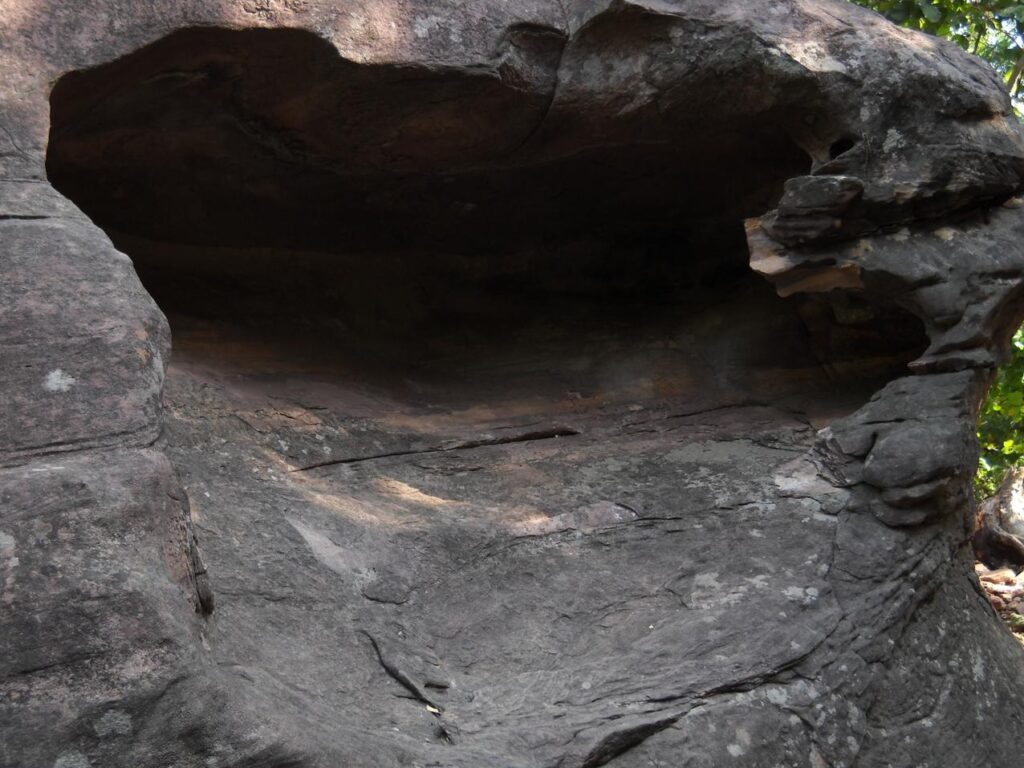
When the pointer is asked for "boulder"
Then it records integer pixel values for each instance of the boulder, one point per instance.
(498, 384)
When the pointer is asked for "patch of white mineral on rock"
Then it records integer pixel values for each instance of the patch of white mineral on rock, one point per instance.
(893, 141)
(804, 596)
(758, 582)
(58, 381)
(742, 743)
(800, 478)
(978, 668)
(423, 26)
(709, 592)
(72, 759)
(778, 696)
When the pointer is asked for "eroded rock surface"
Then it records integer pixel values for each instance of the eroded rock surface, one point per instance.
(552, 384)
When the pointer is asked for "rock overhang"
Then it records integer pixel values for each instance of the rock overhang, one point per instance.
(207, 152)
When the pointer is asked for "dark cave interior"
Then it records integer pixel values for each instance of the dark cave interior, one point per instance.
(293, 212)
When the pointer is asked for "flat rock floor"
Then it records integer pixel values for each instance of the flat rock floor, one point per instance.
(538, 557)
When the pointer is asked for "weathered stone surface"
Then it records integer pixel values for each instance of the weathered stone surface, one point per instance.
(481, 443)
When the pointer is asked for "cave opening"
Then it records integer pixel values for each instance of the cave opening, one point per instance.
(296, 214)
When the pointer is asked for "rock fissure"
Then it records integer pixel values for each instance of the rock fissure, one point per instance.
(526, 437)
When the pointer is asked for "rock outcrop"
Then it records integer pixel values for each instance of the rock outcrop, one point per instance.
(553, 384)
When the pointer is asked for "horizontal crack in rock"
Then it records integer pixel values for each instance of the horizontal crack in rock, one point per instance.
(547, 434)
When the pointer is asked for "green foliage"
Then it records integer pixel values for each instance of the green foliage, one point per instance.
(1001, 421)
(992, 29)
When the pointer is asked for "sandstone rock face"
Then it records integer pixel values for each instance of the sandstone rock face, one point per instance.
(554, 384)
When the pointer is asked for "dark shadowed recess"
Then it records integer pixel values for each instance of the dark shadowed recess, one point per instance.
(401, 218)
